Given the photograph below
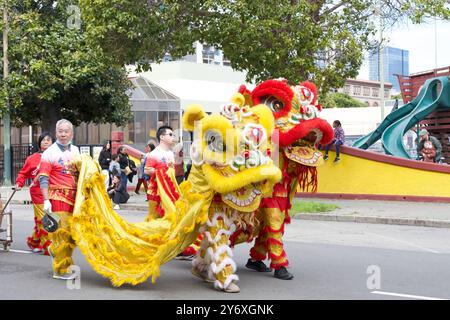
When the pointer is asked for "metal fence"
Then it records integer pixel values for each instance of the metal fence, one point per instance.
(20, 152)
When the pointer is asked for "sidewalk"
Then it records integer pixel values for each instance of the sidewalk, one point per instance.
(424, 214)
(361, 211)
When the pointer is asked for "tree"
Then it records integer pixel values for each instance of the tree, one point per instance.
(320, 40)
(342, 100)
(55, 72)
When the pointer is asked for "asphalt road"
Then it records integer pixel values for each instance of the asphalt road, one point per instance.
(330, 260)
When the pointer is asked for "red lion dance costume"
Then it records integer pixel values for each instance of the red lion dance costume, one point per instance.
(299, 131)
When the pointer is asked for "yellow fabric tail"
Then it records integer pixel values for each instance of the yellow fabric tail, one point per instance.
(131, 252)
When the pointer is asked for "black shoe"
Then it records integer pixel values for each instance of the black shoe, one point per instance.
(257, 266)
(325, 157)
(283, 274)
(337, 160)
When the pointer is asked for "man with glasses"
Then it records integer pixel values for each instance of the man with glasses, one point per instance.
(160, 159)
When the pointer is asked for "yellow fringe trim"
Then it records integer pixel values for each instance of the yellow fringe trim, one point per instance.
(131, 252)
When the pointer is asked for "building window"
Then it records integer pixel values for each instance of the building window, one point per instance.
(152, 124)
(366, 91)
(375, 104)
(386, 94)
(375, 92)
(347, 89)
(357, 90)
(226, 62)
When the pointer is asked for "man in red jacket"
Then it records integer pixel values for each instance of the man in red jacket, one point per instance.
(58, 187)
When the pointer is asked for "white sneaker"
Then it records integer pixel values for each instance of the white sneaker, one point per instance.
(232, 288)
(203, 275)
(116, 207)
(36, 250)
(65, 276)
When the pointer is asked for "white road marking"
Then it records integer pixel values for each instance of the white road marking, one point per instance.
(405, 242)
(20, 251)
(405, 295)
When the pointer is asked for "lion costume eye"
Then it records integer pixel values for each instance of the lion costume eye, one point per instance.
(214, 141)
(273, 103)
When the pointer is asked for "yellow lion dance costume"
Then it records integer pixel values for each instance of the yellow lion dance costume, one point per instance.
(231, 173)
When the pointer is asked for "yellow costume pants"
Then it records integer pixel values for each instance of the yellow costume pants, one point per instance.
(63, 244)
(269, 241)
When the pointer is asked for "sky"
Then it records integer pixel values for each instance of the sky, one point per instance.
(420, 41)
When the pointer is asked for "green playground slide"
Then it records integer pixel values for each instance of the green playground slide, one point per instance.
(397, 123)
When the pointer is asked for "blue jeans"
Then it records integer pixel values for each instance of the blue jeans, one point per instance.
(123, 180)
(337, 145)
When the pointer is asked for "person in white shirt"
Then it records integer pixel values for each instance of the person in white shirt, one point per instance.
(163, 152)
(160, 158)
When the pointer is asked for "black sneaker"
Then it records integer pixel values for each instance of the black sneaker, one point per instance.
(325, 157)
(257, 266)
(283, 274)
(337, 160)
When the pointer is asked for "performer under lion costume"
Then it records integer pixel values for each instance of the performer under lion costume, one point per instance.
(231, 173)
(298, 132)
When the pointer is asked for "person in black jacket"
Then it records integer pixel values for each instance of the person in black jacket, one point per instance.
(117, 192)
(104, 159)
(124, 163)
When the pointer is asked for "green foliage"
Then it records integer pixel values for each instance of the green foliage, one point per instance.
(343, 100)
(397, 96)
(55, 71)
(322, 41)
(300, 206)
(327, 102)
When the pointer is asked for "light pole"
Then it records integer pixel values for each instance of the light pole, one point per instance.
(381, 62)
(6, 116)
(435, 44)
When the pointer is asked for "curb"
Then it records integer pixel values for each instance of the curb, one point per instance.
(376, 220)
(322, 217)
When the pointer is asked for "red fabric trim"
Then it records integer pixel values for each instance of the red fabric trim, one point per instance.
(58, 206)
(172, 192)
(153, 186)
(234, 236)
(273, 256)
(32, 244)
(270, 229)
(303, 129)
(277, 88)
(255, 255)
(46, 243)
(243, 90)
(276, 242)
(275, 202)
(307, 177)
(277, 266)
(189, 251)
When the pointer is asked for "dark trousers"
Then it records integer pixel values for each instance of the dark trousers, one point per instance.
(337, 145)
(138, 186)
(123, 180)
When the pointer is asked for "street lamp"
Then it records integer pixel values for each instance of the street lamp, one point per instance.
(6, 116)
(380, 61)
